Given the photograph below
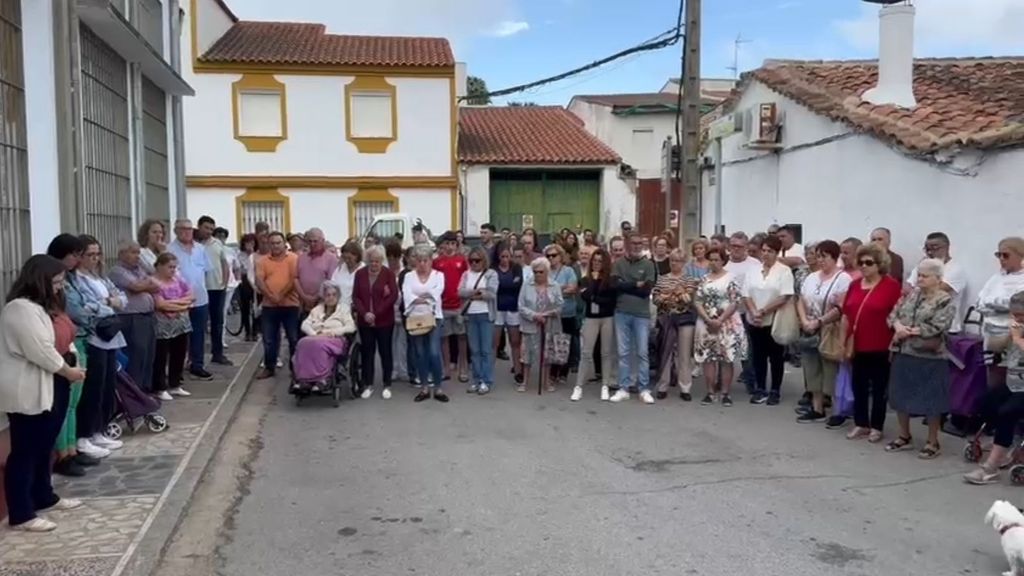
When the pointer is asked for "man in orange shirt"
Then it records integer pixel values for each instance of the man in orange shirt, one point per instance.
(276, 274)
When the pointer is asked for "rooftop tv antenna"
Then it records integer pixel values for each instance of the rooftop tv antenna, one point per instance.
(736, 55)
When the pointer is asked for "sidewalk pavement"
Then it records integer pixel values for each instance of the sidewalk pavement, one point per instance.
(134, 499)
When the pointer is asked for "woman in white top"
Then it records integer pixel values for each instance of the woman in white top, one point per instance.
(151, 239)
(33, 399)
(994, 303)
(478, 290)
(345, 275)
(766, 291)
(821, 295)
(421, 296)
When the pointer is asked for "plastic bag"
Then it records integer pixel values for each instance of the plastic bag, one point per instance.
(842, 403)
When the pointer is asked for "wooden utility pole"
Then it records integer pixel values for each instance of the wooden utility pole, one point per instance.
(689, 204)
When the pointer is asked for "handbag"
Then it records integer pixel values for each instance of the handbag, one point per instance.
(933, 344)
(786, 325)
(849, 336)
(556, 348)
(828, 342)
(420, 324)
(108, 327)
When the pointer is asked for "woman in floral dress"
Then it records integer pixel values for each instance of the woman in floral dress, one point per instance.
(719, 341)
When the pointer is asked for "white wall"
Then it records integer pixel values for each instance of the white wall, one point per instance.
(617, 133)
(857, 183)
(617, 202)
(211, 23)
(40, 112)
(316, 143)
(322, 208)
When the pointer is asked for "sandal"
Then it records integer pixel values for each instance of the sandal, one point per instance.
(875, 437)
(423, 395)
(900, 444)
(857, 433)
(930, 451)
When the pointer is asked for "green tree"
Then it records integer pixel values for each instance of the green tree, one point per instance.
(476, 91)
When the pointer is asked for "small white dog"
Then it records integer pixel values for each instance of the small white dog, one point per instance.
(1008, 520)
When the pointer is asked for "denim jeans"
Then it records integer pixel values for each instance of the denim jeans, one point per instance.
(633, 333)
(481, 348)
(273, 319)
(199, 316)
(217, 323)
(427, 356)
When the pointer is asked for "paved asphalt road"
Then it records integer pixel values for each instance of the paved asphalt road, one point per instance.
(520, 484)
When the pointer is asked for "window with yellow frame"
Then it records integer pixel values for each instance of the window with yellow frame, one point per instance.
(371, 114)
(262, 205)
(260, 112)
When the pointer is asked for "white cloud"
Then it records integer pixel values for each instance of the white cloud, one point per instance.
(457, 20)
(949, 28)
(509, 28)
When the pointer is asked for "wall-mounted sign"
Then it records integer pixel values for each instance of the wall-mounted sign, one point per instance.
(527, 221)
(673, 218)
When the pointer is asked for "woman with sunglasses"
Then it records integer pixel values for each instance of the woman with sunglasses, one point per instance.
(866, 308)
(478, 290)
(994, 304)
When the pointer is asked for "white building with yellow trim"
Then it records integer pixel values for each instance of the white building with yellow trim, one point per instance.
(301, 128)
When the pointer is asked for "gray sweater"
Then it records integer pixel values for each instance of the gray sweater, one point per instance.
(634, 300)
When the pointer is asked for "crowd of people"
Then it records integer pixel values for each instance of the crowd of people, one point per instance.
(630, 316)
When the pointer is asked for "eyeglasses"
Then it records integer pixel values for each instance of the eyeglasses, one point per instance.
(867, 262)
(737, 246)
(553, 255)
(475, 260)
(1003, 255)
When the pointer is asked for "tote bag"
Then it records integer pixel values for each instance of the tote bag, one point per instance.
(556, 349)
(786, 325)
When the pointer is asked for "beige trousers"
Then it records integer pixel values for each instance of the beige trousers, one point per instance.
(683, 354)
(592, 328)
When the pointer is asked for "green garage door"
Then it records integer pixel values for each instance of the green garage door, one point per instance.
(551, 199)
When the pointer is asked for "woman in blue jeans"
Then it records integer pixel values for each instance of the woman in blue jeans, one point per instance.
(478, 290)
(421, 297)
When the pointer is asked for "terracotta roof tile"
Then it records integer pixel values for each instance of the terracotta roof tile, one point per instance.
(528, 135)
(301, 43)
(967, 102)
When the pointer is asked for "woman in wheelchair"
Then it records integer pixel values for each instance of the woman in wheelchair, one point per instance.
(1002, 406)
(324, 343)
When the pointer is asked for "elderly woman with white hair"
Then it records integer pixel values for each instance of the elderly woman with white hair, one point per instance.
(919, 382)
(138, 321)
(540, 305)
(374, 293)
(324, 328)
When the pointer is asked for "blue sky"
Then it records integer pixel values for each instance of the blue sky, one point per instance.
(510, 42)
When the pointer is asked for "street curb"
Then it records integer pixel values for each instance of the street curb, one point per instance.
(147, 553)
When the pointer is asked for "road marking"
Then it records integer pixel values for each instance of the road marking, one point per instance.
(126, 557)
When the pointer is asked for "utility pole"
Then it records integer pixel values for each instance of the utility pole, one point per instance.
(691, 201)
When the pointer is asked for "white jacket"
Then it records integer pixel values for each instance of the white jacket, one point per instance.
(28, 358)
(337, 324)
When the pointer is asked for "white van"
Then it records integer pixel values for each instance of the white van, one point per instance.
(410, 230)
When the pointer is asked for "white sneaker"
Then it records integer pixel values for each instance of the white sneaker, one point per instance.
(647, 397)
(36, 525)
(577, 393)
(104, 442)
(89, 449)
(386, 394)
(63, 504)
(280, 363)
(179, 391)
(620, 396)
(605, 394)
(367, 394)
(165, 396)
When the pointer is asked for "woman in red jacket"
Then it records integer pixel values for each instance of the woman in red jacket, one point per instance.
(866, 308)
(374, 293)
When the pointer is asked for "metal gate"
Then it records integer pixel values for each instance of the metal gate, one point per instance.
(15, 233)
(154, 136)
(365, 212)
(106, 170)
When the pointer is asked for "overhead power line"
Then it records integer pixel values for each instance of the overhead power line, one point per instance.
(663, 40)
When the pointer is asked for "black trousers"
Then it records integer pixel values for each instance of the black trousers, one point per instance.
(217, 323)
(372, 340)
(1002, 409)
(246, 298)
(27, 483)
(96, 406)
(169, 365)
(870, 389)
(765, 353)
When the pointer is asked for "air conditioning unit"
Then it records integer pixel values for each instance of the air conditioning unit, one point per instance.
(764, 127)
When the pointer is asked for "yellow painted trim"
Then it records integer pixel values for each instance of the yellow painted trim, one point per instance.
(368, 195)
(193, 17)
(262, 195)
(259, 83)
(323, 69)
(322, 182)
(376, 84)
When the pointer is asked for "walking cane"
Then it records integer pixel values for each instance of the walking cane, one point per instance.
(543, 341)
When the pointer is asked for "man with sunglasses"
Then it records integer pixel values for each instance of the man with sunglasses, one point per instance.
(954, 278)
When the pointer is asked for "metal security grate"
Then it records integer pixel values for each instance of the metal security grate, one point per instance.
(154, 135)
(365, 212)
(106, 170)
(272, 213)
(15, 232)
